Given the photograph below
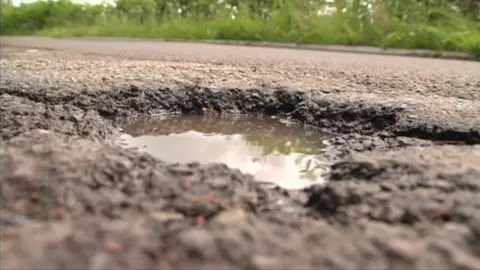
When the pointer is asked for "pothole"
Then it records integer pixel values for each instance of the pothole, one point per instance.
(272, 149)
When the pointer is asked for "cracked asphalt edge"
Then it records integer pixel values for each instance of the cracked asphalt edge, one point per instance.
(404, 201)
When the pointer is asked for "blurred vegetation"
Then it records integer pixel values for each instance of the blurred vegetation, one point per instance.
(450, 25)
(280, 145)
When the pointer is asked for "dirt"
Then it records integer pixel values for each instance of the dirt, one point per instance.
(404, 190)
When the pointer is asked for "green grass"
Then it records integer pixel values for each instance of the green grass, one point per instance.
(434, 28)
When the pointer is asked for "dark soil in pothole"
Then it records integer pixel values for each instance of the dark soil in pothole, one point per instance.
(73, 199)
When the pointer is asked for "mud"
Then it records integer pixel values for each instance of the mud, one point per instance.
(403, 192)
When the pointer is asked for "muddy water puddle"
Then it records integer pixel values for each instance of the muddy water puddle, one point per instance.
(271, 149)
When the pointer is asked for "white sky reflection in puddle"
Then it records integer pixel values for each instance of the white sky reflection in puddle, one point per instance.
(284, 161)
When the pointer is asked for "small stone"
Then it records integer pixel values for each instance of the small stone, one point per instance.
(181, 170)
(444, 186)
(403, 248)
(383, 196)
(264, 262)
(199, 221)
(113, 245)
(167, 216)
(20, 206)
(466, 262)
(60, 213)
(387, 186)
(229, 217)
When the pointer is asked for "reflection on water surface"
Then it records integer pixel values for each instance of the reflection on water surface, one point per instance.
(270, 149)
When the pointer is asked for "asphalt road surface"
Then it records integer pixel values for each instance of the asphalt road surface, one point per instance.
(404, 189)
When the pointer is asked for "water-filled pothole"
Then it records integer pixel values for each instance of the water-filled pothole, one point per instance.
(272, 149)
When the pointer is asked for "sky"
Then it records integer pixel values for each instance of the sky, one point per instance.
(18, 2)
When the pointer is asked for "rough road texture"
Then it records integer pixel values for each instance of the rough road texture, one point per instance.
(404, 191)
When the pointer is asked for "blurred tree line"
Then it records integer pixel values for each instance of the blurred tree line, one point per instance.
(202, 9)
(49, 11)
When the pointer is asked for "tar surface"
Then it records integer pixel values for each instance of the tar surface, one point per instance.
(397, 195)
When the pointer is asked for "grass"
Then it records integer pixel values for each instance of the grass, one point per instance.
(290, 21)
